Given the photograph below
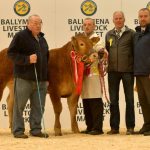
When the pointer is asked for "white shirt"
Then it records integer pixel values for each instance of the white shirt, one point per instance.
(122, 30)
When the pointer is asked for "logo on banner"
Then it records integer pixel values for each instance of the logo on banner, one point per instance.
(148, 5)
(88, 7)
(22, 7)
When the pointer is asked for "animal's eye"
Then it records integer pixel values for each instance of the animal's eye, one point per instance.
(81, 44)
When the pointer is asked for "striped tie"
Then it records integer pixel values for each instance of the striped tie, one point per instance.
(142, 31)
(118, 33)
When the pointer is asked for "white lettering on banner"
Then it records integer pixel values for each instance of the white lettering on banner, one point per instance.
(76, 25)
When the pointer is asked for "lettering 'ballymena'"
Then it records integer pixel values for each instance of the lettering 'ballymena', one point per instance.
(13, 21)
(80, 21)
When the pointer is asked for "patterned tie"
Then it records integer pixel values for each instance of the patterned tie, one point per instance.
(142, 31)
(118, 33)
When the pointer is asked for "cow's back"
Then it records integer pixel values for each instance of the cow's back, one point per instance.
(60, 71)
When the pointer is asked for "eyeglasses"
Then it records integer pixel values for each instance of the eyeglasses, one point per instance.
(36, 23)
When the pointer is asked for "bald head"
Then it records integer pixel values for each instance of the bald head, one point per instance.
(33, 17)
(118, 12)
(118, 19)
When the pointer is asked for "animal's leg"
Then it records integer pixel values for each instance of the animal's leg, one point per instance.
(57, 106)
(10, 102)
(72, 104)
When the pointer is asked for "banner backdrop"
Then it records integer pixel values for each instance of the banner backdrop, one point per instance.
(61, 21)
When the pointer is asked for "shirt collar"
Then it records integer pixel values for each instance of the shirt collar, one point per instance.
(122, 29)
(143, 28)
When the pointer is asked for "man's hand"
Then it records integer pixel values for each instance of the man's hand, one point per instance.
(33, 58)
(93, 57)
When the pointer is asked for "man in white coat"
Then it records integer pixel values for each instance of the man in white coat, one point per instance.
(91, 90)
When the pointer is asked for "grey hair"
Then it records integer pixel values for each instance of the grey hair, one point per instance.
(90, 19)
(119, 11)
(34, 15)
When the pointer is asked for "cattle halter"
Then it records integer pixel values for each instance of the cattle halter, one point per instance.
(102, 67)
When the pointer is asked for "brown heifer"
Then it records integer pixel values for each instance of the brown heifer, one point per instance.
(61, 81)
(61, 78)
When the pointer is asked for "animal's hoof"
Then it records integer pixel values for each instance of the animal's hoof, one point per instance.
(76, 131)
(11, 129)
(58, 134)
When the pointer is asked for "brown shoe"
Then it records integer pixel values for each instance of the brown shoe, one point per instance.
(23, 136)
(113, 131)
(130, 131)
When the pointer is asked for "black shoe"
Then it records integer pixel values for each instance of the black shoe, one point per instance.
(23, 136)
(147, 133)
(143, 130)
(85, 131)
(113, 131)
(95, 132)
(42, 135)
(130, 131)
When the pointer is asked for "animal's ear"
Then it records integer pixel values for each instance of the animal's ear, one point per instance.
(95, 40)
(73, 38)
(74, 42)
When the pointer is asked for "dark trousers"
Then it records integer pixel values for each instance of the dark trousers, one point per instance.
(93, 110)
(114, 79)
(143, 87)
